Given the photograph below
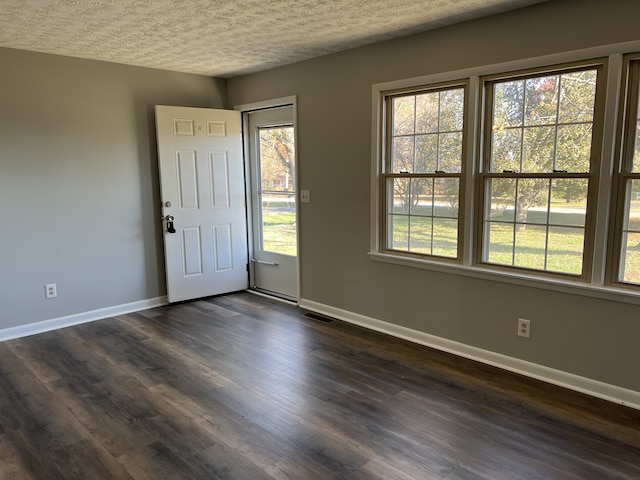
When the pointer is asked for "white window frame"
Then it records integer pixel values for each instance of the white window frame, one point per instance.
(386, 172)
(599, 284)
(626, 143)
(592, 176)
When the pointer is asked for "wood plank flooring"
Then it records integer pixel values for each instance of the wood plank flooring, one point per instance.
(243, 387)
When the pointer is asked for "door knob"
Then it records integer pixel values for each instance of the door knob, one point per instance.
(170, 228)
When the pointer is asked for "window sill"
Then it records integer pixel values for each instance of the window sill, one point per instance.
(486, 273)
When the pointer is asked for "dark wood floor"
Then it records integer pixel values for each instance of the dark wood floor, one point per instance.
(243, 387)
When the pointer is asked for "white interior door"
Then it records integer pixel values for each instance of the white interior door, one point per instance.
(272, 160)
(203, 201)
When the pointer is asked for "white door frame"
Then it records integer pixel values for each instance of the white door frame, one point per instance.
(244, 109)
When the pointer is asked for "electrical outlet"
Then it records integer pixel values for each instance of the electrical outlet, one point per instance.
(305, 196)
(524, 327)
(50, 290)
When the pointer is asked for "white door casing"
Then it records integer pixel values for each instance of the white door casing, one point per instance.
(202, 187)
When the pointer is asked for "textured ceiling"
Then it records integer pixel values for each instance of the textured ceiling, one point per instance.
(223, 38)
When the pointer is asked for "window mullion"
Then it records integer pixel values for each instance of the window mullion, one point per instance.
(603, 243)
(522, 124)
(556, 127)
(515, 222)
(471, 223)
(548, 225)
(438, 133)
(415, 134)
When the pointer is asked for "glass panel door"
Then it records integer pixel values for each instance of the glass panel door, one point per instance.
(272, 156)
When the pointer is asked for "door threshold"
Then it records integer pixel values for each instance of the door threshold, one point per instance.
(273, 295)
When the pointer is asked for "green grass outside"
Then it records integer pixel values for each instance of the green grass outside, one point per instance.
(564, 250)
(563, 244)
(279, 229)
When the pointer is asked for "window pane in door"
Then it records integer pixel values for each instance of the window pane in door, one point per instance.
(277, 159)
(279, 224)
(277, 190)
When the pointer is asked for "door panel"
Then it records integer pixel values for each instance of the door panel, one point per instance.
(187, 180)
(202, 188)
(274, 265)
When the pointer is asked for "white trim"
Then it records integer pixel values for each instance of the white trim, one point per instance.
(620, 295)
(607, 165)
(79, 318)
(377, 142)
(472, 125)
(276, 102)
(605, 391)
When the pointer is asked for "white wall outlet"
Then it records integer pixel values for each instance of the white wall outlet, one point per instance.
(305, 196)
(51, 290)
(524, 327)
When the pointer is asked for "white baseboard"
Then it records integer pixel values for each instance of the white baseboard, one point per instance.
(605, 391)
(77, 319)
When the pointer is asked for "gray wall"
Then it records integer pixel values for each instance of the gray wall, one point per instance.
(79, 181)
(590, 337)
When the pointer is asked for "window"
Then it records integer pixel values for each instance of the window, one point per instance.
(628, 182)
(423, 171)
(522, 172)
(540, 158)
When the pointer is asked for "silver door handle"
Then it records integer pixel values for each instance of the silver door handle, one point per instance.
(262, 262)
(170, 228)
